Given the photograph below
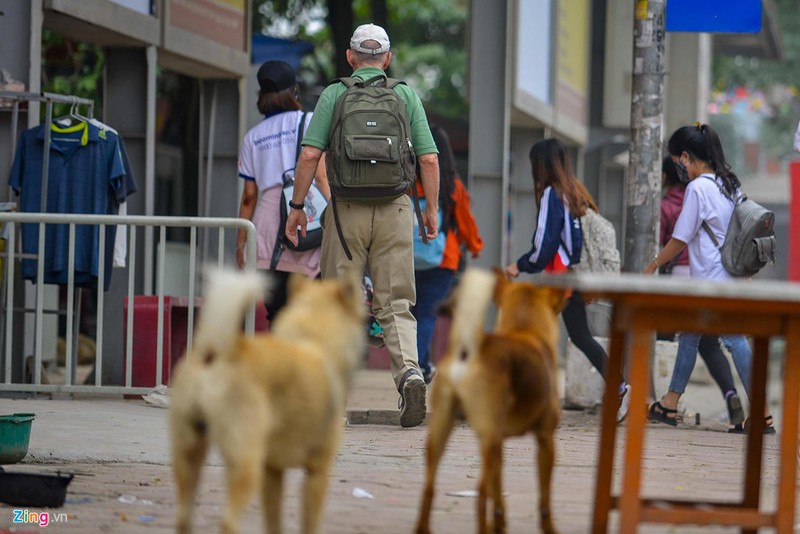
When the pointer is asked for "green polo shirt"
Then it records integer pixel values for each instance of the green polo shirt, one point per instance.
(318, 131)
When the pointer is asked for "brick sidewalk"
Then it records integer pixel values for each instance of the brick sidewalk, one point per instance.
(119, 448)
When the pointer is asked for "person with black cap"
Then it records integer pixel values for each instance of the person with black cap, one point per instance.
(374, 231)
(269, 149)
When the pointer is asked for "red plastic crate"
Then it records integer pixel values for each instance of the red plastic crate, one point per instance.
(145, 335)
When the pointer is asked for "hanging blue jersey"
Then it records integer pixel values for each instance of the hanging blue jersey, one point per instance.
(85, 175)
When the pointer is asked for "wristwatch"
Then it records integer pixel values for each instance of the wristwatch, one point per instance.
(297, 206)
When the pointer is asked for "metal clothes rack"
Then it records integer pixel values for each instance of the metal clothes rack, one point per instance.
(6, 290)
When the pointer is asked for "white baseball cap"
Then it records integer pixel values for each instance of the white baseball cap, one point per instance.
(370, 32)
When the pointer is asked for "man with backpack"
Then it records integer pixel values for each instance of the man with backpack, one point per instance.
(370, 129)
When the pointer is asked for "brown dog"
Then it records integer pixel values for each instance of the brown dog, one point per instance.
(504, 382)
(268, 402)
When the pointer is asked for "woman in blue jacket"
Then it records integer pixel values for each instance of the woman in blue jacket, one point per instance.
(557, 243)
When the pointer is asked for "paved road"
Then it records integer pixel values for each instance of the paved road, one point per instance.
(123, 483)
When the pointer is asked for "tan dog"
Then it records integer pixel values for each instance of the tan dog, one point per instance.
(504, 382)
(268, 402)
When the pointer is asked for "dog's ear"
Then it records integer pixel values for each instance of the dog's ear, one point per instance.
(296, 282)
(558, 298)
(501, 282)
(350, 288)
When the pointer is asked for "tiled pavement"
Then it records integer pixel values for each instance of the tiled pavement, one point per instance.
(119, 449)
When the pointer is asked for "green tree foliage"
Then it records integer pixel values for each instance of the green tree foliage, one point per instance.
(739, 71)
(428, 41)
(778, 80)
(71, 68)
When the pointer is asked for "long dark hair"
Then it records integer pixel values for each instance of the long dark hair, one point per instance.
(447, 177)
(702, 142)
(551, 167)
(275, 101)
(671, 173)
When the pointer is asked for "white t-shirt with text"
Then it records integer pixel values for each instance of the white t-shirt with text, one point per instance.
(270, 148)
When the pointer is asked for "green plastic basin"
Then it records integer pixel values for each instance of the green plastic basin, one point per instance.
(15, 435)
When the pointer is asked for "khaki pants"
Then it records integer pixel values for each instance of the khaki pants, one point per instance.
(379, 237)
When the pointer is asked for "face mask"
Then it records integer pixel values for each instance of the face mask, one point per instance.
(683, 172)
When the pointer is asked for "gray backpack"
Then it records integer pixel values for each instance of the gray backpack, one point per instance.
(750, 240)
(600, 253)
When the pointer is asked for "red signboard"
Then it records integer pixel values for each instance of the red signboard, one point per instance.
(794, 222)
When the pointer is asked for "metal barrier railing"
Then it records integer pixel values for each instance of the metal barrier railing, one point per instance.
(130, 223)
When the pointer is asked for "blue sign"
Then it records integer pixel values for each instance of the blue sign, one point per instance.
(268, 48)
(714, 16)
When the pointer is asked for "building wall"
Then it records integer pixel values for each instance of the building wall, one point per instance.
(545, 46)
(568, 66)
(205, 40)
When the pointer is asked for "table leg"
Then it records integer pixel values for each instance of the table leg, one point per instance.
(789, 428)
(641, 348)
(608, 430)
(755, 439)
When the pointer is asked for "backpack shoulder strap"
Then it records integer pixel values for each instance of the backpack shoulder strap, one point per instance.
(722, 190)
(391, 83)
(300, 129)
(375, 79)
(714, 239)
(418, 212)
(705, 225)
(348, 81)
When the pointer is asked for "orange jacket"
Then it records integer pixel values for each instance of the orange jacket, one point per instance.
(466, 231)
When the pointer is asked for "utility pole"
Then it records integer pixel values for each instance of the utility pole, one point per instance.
(643, 191)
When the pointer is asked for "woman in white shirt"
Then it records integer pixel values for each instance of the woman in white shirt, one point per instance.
(700, 161)
(269, 149)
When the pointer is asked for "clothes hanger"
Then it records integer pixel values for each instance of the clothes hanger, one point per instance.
(74, 112)
(103, 126)
(67, 120)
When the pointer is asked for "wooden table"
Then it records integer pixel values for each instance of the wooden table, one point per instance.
(641, 306)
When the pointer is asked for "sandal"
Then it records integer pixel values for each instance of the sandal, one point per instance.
(743, 428)
(660, 414)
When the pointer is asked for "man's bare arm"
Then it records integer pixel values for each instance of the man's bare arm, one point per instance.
(429, 173)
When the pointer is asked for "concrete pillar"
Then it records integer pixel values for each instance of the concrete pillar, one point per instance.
(125, 108)
(688, 80)
(21, 27)
(521, 195)
(219, 195)
(489, 133)
(20, 56)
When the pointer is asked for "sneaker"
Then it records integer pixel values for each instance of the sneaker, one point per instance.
(735, 411)
(624, 404)
(430, 374)
(412, 400)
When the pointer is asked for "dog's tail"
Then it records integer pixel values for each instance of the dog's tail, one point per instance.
(229, 295)
(475, 293)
